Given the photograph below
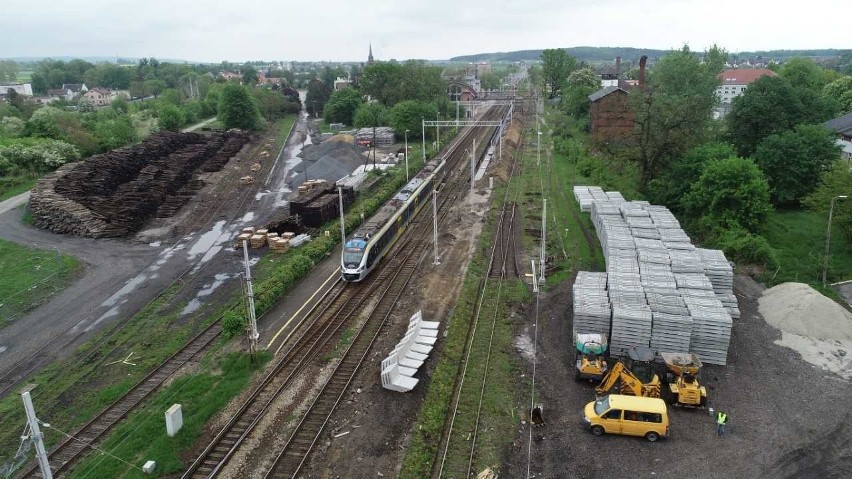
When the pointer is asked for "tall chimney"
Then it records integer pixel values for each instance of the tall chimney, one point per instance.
(642, 62)
(617, 67)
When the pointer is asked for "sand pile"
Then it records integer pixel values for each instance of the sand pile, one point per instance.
(811, 324)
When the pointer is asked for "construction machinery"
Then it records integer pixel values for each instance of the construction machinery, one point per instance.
(589, 358)
(684, 389)
(636, 378)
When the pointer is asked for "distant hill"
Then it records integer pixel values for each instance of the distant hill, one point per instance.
(94, 59)
(600, 54)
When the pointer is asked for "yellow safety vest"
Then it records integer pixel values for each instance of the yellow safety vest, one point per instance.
(721, 418)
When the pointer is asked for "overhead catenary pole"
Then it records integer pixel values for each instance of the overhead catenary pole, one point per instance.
(406, 156)
(435, 225)
(35, 435)
(437, 134)
(423, 137)
(543, 241)
(472, 166)
(253, 334)
(828, 240)
(342, 222)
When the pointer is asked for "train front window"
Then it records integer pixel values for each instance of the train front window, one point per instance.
(352, 256)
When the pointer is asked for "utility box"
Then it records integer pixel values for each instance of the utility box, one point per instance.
(149, 466)
(174, 420)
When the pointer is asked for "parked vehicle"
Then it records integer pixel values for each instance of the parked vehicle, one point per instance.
(628, 415)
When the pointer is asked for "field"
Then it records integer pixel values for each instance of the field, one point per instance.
(30, 277)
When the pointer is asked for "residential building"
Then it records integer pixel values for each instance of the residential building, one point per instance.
(97, 96)
(23, 89)
(228, 76)
(611, 116)
(59, 93)
(609, 74)
(467, 94)
(734, 82)
(842, 126)
(341, 83)
(76, 88)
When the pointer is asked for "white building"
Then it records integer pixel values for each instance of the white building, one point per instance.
(735, 81)
(25, 89)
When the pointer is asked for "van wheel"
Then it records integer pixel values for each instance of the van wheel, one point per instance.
(598, 430)
(652, 436)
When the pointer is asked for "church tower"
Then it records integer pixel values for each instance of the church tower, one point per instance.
(370, 57)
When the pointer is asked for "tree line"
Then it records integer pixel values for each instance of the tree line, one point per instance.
(721, 177)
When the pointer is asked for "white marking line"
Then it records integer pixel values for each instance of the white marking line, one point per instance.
(3, 349)
(271, 341)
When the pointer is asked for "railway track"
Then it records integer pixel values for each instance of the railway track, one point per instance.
(394, 275)
(458, 457)
(64, 454)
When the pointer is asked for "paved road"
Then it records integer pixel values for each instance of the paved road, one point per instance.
(14, 202)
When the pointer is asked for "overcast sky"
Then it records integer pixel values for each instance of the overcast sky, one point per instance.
(340, 30)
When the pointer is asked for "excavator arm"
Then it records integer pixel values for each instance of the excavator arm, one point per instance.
(619, 371)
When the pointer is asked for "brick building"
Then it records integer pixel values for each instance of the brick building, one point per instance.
(611, 117)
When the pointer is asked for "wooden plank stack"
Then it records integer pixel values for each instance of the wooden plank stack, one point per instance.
(320, 203)
(115, 193)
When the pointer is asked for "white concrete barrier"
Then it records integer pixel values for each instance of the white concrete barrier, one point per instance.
(409, 354)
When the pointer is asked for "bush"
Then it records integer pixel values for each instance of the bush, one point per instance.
(744, 247)
(233, 324)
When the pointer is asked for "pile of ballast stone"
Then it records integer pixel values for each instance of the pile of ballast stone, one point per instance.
(664, 293)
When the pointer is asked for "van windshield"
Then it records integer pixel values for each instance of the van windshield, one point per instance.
(602, 405)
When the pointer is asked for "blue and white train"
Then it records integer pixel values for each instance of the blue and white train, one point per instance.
(369, 243)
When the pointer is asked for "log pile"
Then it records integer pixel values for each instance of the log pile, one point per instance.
(320, 204)
(115, 193)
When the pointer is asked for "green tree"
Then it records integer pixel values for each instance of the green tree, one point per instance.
(114, 132)
(270, 103)
(249, 75)
(39, 83)
(840, 92)
(381, 80)
(120, 104)
(11, 127)
(489, 81)
(170, 118)
(803, 73)
(8, 71)
(771, 105)
(316, 97)
(836, 181)
(409, 114)
(45, 123)
(237, 108)
(793, 161)
(575, 97)
(371, 115)
(730, 193)
(341, 106)
(670, 187)
(674, 113)
(556, 65)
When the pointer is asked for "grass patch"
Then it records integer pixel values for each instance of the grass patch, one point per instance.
(30, 277)
(798, 238)
(143, 437)
(15, 185)
(342, 344)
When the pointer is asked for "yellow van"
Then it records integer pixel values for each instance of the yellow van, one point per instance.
(629, 415)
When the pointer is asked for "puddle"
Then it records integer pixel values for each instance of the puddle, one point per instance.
(206, 241)
(155, 244)
(112, 312)
(3, 349)
(207, 290)
(524, 345)
(125, 290)
(248, 217)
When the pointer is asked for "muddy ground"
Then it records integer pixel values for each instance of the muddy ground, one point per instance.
(787, 418)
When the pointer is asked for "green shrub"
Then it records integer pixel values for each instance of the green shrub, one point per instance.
(744, 247)
(233, 324)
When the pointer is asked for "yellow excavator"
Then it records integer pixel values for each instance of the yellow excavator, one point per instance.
(636, 378)
(684, 389)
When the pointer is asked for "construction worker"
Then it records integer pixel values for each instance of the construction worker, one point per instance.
(721, 420)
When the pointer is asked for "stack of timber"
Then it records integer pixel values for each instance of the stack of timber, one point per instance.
(320, 204)
(115, 193)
